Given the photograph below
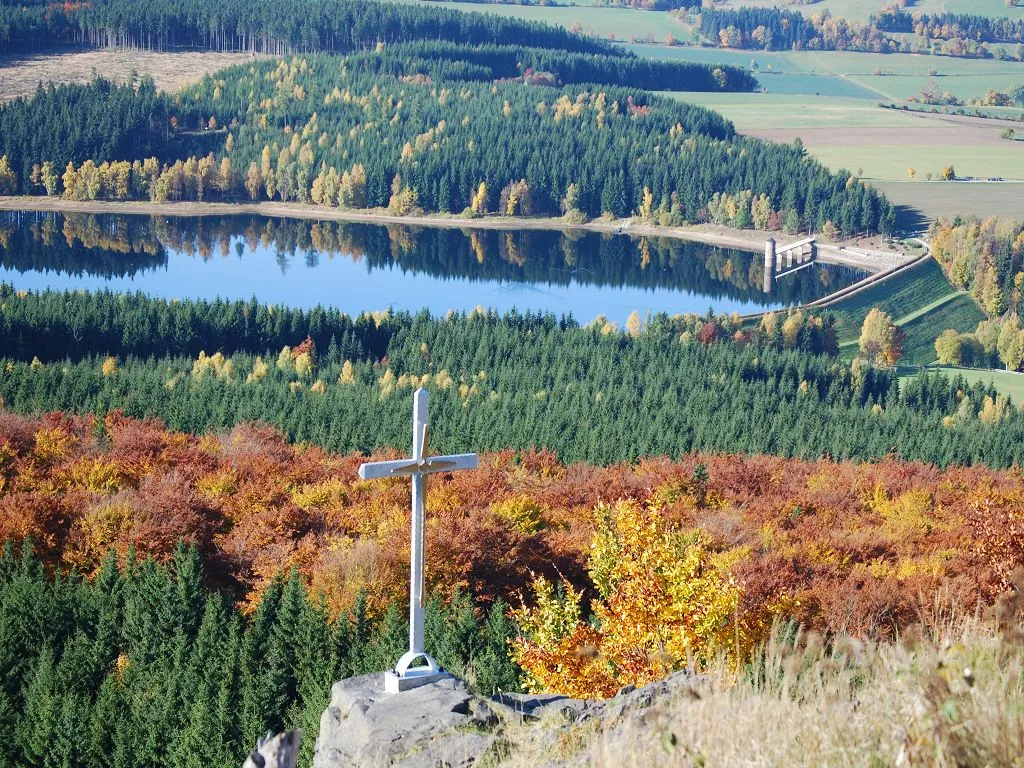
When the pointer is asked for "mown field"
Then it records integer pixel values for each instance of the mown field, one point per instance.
(920, 300)
(950, 199)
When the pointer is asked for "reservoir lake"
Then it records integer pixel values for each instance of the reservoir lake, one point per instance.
(360, 267)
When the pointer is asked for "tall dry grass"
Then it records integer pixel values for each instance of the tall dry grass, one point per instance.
(951, 695)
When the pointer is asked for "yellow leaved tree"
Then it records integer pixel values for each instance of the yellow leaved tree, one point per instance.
(664, 603)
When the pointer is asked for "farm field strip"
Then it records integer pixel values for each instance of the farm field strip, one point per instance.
(849, 63)
(769, 111)
(965, 86)
(857, 135)
(890, 161)
(609, 23)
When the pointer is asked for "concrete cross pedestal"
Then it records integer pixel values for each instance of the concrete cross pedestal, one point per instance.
(405, 675)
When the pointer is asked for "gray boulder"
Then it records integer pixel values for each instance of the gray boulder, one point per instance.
(440, 725)
(281, 751)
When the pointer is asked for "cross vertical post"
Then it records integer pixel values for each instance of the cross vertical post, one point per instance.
(416, 539)
(405, 675)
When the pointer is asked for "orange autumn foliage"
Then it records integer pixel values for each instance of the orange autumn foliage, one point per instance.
(664, 603)
(865, 548)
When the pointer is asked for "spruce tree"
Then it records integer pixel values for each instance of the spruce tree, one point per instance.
(495, 670)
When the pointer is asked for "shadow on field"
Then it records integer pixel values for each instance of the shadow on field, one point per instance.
(910, 219)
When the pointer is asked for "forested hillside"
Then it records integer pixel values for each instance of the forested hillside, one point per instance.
(270, 26)
(429, 110)
(71, 123)
(950, 26)
(188, 557)
(986, 258)
(591, 393)
(453, 129)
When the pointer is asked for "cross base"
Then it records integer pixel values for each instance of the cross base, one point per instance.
(414, 679)
(404, 676)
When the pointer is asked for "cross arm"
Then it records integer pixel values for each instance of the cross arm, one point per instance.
(402, 467)
(375, 470)
(450, 463)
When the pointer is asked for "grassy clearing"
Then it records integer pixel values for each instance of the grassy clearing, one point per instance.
(946, 695)
(1005, 382)
(919, 299)
(170, 71)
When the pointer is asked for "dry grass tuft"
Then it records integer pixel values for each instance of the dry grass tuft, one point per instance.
(952, 695)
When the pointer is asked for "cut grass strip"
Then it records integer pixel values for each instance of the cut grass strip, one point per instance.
(923, 303)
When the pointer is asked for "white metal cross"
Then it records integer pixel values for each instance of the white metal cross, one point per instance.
(405, 675)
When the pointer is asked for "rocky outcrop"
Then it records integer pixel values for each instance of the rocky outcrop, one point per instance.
(443, 725)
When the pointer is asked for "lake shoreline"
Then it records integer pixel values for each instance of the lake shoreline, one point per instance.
(864, 254)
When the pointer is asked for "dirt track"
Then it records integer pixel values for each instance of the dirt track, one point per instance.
(944, 134)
